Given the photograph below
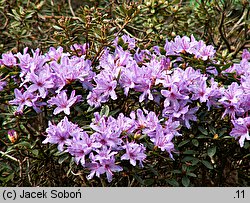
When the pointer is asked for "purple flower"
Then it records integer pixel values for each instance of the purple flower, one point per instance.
(54, 54)
(104, 153)
(190, 115)
(107, 166)
(199, 91)
(152, 122)
(172, 96)
(106, 85)
(206, 52)
(129, 40)
(230, 100)
(60, 133)
(22, 99)
(241, 129)
(176, 111)
(41, 82)
(8, 59)
(126, 124)
(189, 45)
(172, 127)
(94, 99)
(95, 169)
(126, 40)
(127, 81)
(107, 132)
(134, 152)
(213, 94)
(80, 49)
(246, 54)
(80, 146)
(2, 84)
(141, 120)
(163, 140)
(63, 103)
(141, 55)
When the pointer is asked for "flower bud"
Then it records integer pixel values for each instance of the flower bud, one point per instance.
(216, 136)
(13, 136)
(137, 135)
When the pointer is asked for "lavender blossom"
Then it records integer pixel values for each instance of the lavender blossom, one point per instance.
(60, 133)
(23, 99)
(134, 152)
(8, 59)
(241, 129)
(63, 103)
(41, 82)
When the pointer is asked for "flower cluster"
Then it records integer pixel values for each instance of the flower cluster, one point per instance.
(149, 76)
(110, 140)
(236, 99)
(189, 45)
(43, 78)
(145, 72)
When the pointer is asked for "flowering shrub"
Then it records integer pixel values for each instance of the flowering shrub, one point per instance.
(164, 93)
(93, 106)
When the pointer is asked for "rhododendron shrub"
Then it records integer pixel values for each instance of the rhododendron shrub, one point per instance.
(131, 104)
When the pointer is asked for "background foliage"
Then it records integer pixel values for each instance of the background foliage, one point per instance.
(207, 156)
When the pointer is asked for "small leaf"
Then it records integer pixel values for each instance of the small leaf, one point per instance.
(104, 111)
(191, 159)
(192, 175)
(35, 152)
(185, 181)
(203, 137)
(151, 168)
(212, 129)
(23, 144)
(57, 27)
(176, 171)
(211, 151)
(63, 158)
(138, 178)
(183, 143)
(195, 142)
(190, 152)
(149, 182)
(173, 182)
(202, 130)
(207, 164)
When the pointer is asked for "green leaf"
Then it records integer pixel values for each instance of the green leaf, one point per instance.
(202, 130)
(138, 178)
(192, 175)
(190, 152)
(185, 181)
(212, 129)
(57, 27)
(183, 143)
(191, 159)
(104, 111)
(63, 158)
(151, 168)
(195, 142)
(207, 164)
(173, 182)
(176, 171)
(24, 144)
(149, 182)
(203, 137)
(35, 152)
(211, 151)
